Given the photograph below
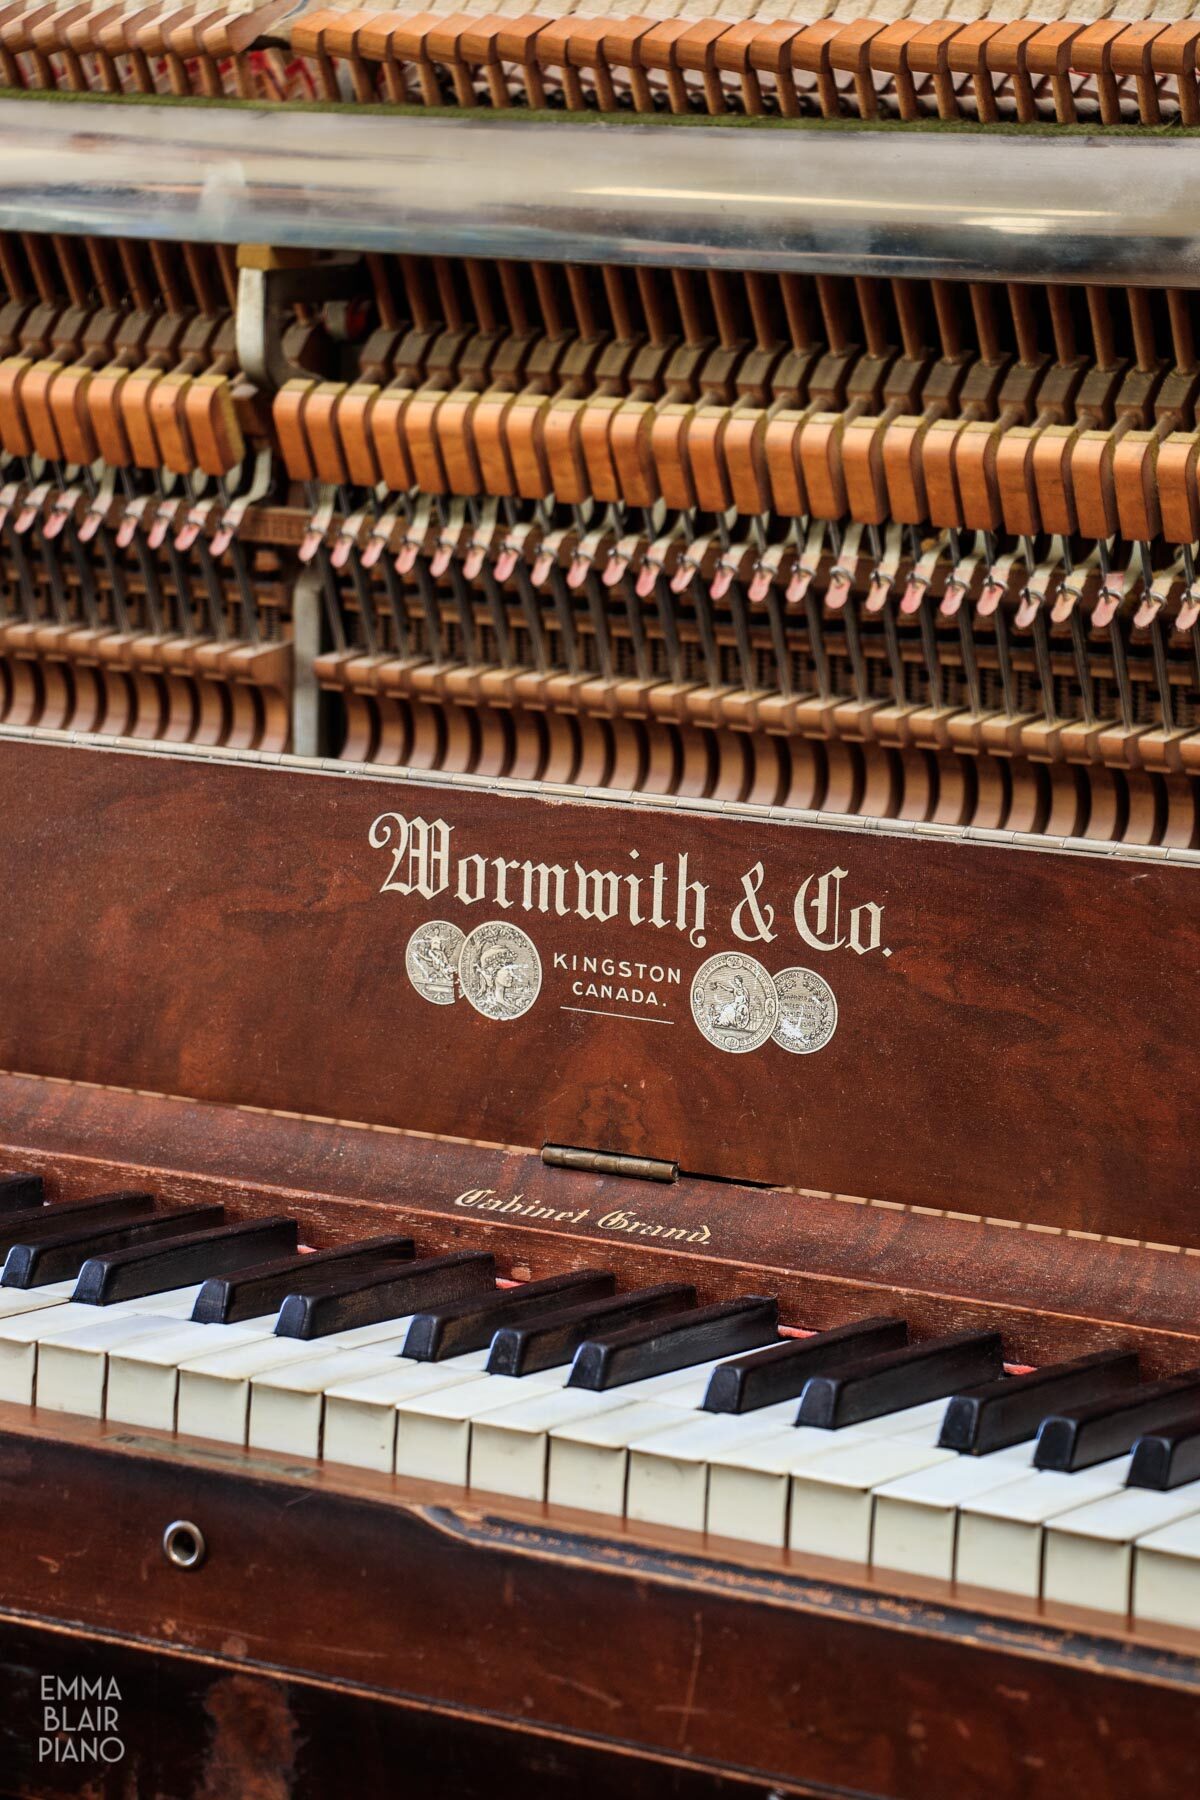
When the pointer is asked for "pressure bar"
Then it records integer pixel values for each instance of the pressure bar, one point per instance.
(778, 196)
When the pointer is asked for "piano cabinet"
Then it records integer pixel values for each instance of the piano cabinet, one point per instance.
(420, 1634)
(174, 1019)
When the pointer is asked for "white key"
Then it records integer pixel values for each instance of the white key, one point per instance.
(669, 1471)
(749, 1483)
(589, 1458)
(922, 1423)
(72, 1369)
(433, 1431)
(1000, 1533)
(287, 1406)
(143, 1376)
(510, 1448)
(23, 1300)
(1089, 1551)
(20, 1335)
(680, 1387)
(1166, 1574)
(360, 1416)
(214, 1390)
(916, 1516)
(832, 1506)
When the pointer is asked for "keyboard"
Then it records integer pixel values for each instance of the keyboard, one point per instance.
(1076, 1482)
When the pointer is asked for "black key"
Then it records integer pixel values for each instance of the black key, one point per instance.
(470, 1324)
(71, 1215)
(387, 1293)
(870, 1386)
(546, 1343)
(20, 1191)
(37, 1260)
(780, 1373)
(610, 1359)
(1010, 1410)
(153, 1268)
(252, 1293)
(1079, 1436)
(1167, 1458)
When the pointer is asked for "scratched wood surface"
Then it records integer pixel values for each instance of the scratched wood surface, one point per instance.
(666, 1647)
(219, 932)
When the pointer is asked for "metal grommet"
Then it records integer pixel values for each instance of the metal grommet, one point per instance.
(183, 1544)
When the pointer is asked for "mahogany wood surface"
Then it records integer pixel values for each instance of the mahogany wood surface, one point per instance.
(218, 931)
(827, 1260)
(693, 1655)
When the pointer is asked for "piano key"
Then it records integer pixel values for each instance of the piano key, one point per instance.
(510, 1448)
(922, 1423)
(872, 1386)
(72, 1369)
(341, 1305)
(23, 1300)
(433, 1430)
(21, 1336)
(1081, 1435)
(916, 1515)
(287, 1406)
(194, 1256)
(1010, 1410)
(230, 1298)
(1169, 1457)
(1166, 1574)
(143, 1376)
(470, 1324)
(658, 1346)
(668, 1479)
(1001, 1533)
(544, 1343)
(589, 1457)
(360, 1414)
(41, 1259)
(679, 1389)
(765, 1377)
(1089, 1551)
(214, 1389)
(67, 1215)
(832, 1494)
(19, 1193)
(749, 1483)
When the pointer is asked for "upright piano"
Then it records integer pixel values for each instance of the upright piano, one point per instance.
(599, 726)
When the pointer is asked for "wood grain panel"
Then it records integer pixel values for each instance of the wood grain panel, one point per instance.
(219, 932)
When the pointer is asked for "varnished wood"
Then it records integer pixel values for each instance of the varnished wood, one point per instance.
(957, 1077)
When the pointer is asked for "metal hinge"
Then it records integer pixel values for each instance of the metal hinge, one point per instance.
(608, 1162)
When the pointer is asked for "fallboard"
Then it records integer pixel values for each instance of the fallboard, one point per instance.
(956, 1021)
